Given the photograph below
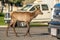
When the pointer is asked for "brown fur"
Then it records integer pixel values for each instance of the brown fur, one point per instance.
(23, 16)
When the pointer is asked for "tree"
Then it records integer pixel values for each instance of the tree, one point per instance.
(10, 2)
(2, 2)
(13, 2)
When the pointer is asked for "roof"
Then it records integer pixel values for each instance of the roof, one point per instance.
(57, 5)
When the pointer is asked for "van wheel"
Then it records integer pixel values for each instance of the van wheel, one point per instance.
(20, 24)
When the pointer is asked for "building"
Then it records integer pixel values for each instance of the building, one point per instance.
(51, 3)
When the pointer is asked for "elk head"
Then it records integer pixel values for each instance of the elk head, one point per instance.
(38, 11)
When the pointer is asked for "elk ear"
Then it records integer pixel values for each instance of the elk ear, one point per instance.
(38, 7)
(35, 7)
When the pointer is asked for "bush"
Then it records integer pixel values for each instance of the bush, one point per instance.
(2, 22)
(1, 14)
(2, 19)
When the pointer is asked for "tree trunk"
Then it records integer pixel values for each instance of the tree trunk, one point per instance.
(2, 9)
(11, 7)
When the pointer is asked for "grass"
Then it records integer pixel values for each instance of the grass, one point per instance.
(38, 24)
(2, 20)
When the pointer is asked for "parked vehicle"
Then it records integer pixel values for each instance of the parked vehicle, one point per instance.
(54, 25)
(46, 17)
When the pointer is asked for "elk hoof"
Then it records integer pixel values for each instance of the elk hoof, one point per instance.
(17, 36)
(28, 35)
(7, 35)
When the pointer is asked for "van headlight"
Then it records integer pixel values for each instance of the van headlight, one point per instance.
(54, 14)
(59, 13)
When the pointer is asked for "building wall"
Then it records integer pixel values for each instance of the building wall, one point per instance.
(51, 3)
(29, 1)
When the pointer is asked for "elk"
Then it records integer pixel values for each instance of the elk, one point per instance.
(25, 17)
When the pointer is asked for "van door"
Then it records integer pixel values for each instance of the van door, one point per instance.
(46, 13)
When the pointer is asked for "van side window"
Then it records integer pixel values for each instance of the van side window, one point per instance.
(56, 11)
(32, 9)
(44, 7)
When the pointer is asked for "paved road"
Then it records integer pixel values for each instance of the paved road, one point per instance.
(37, 33)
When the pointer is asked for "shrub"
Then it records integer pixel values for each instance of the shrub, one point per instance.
(1, 14)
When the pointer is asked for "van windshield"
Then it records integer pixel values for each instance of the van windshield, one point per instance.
(26, 7)
(44, 7)
(57, 11)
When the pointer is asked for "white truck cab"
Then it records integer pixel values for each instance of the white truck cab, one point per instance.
(44, 7)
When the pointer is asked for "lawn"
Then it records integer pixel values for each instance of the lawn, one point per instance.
(38, 24)
(2, 20)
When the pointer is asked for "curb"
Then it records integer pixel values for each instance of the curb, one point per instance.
(3, 25)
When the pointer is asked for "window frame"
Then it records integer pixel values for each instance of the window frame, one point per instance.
(34, 6)
(42, 5)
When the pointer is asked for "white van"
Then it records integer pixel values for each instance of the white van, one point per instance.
(46, 17)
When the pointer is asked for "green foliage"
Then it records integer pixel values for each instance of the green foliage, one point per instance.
(2, 21)
(1, 14)
(15, 1)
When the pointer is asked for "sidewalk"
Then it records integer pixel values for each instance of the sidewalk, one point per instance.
(3, 25)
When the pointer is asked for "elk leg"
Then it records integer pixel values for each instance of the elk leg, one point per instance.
(9, 25)
(28, 30)
(7, 30)
(14, 29)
